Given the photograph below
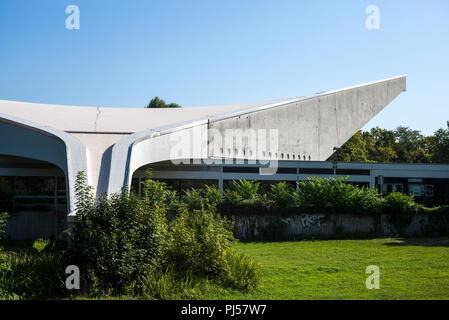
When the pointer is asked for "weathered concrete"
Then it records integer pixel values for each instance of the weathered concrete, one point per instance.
(311, 127)
(330, 226)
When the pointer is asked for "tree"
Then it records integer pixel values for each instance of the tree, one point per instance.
(439, 145)
(355, 149)
(402, 145)
(156, 102)
(410, 146)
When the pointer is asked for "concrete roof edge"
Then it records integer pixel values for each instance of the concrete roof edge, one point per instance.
(224, 116)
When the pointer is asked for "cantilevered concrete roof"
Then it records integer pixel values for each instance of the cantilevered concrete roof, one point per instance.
(113, 120)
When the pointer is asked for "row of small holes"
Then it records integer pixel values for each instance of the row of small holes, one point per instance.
(269, 154)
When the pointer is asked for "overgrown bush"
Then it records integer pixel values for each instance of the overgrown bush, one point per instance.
(193, 198)
(213, 195)
(116, 241)
(201, 239)
(241, 272)
(397, 203)
(126, 245)
(248, 190)
(281, 194)
(335, 195)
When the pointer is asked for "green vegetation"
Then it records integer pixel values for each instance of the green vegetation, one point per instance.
(3, 218)
(125, 246)
(409, 269)
(402, 145)
(159, 103)
(313, 195)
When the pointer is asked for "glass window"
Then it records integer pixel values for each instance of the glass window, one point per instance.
(6, 203)
(35, 186)
(429, 190)
(389, 188)
(61, 186)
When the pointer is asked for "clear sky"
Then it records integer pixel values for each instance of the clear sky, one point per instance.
(216, 52)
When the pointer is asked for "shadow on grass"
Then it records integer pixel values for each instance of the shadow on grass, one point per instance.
(423, 242)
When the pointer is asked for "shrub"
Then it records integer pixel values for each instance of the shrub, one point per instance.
(397, 203)
(193, 198)
(201, 238)
(231, 198)
(248, 190)
(116, 241)
(125, 245)
(334, 195)
(242, 272)
(281, 194)
(213, 195)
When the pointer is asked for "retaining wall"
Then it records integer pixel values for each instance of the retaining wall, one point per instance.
(338, 226)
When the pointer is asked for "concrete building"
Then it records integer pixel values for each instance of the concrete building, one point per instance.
(43, 147)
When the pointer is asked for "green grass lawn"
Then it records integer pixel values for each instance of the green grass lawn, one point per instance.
(335, 269)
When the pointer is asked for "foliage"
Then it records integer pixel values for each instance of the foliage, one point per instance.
(213, 195)
(156, 102)
(248, 190)
(397, 203)
(201, 239)
(33, 276)
(334, 195)
(439, 145)
(193, 198)
(402, 145)
(3, 219)
(242, 272)
(117, 240)
(35, 273)
(281, 194)
(127, 245)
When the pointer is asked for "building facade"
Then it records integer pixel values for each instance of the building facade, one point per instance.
(44, 147)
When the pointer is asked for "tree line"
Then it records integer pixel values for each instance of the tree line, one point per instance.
(402, 145)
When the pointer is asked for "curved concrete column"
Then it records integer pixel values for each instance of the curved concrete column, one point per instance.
(154, 145)
(19, 137)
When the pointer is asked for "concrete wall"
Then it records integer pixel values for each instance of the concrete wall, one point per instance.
(330, 226)
(313, 126)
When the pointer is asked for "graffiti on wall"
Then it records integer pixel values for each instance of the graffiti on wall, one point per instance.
(308, 221)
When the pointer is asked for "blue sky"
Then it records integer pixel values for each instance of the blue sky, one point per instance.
(215, 52)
